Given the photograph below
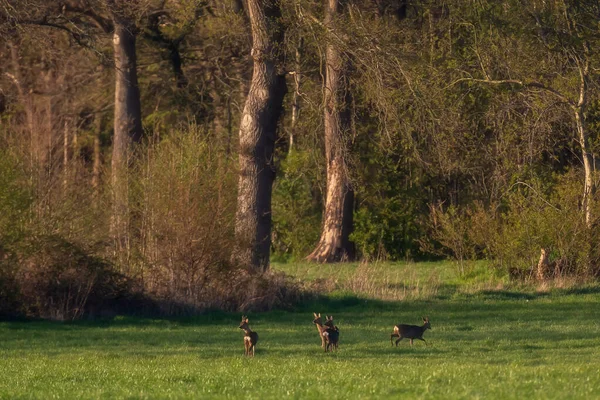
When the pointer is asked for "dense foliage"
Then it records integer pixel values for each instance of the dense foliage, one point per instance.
(474, 134)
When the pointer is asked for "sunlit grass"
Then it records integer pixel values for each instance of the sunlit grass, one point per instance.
(483, 344)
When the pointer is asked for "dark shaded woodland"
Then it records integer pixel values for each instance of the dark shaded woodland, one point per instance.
(163, 152)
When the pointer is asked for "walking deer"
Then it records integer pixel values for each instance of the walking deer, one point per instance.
(250, 337)
(411, 332)
(328, 332)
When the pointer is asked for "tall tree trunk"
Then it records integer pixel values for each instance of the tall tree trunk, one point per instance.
(26, 99)
(97, 162)
(258, 131)
(296, 98)
(66, 130)
(334, 244)
(127, 125)
(582, 59)
(589, 187)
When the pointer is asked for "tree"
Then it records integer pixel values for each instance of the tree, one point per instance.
(564, 32)
(258, 132)
(128, 115)
(334, 244)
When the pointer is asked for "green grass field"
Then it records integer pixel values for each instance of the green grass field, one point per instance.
(483, 344)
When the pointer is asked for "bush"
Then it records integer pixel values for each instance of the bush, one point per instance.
(49, 277)
(532, 217)
(296, 207)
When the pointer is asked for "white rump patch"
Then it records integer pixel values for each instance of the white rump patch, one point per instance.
(325, 334)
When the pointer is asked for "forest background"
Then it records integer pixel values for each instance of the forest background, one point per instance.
(157, 154)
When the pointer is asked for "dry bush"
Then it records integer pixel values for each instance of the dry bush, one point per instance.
(58, 280)
(184, 196)
(237, 289)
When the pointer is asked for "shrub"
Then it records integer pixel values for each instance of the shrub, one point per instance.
(58, 280)
(532, 217)
(296, 210)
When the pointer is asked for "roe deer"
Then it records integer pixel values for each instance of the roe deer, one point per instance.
(320, 328)
(411, 332)
(250, 337)
(332, 334)
(328, 332)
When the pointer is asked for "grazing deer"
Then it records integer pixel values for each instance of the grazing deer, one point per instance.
(250, 337)
(411, 332)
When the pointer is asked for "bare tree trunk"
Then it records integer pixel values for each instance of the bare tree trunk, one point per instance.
(66, 155)
(334, 244)
(97, 162)
(127, 125)
(589, 187)
(296, 98)
(25, 98)
(258, 130)
(582, 59)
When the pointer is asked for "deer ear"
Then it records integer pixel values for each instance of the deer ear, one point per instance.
(246, 320)
(315, 314)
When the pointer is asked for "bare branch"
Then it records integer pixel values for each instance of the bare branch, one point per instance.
(523, 84)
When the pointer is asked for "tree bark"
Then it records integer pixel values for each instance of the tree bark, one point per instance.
(334, 244)
(589, 187)
(127, 124)
(296, 98)
(258, 131)
(97, 162)
(542, 267)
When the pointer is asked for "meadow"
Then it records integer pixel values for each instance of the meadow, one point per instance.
(488, 340)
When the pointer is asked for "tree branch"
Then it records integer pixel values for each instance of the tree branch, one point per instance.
(523, 84)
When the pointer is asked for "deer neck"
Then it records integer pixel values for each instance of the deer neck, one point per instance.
(320, 327)
(247, 331)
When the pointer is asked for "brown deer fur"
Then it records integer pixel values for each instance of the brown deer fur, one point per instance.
(250, 337)
(320, 328)
(328, 332)
(411, 332)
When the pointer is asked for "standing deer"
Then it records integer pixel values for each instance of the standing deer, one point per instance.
(411, 332)
(319, 324)
(328, 332)
(333, 334)
(250, 337)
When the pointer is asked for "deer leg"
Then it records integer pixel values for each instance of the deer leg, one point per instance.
(411, 342)
(420, 338)
(392, 336)
(399, 339)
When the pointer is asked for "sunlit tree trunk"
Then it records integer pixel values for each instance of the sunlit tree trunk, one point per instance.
(258, 131)
(589, 187)
(334, 244)
(127, 126)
